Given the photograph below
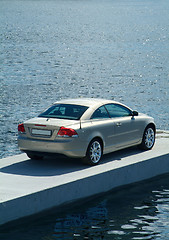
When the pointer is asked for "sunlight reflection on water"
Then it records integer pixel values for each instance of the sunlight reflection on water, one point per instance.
(111, 49)
(71, 49)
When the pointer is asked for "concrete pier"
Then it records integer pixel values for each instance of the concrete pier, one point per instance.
(29, 186)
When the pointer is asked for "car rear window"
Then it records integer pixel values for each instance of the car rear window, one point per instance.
(64, 111)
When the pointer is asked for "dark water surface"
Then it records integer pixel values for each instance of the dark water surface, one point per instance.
(116, 49)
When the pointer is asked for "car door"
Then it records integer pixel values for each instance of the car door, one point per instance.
(103, 126)
(125, 127)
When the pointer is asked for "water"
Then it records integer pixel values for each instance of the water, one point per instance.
(115, 49)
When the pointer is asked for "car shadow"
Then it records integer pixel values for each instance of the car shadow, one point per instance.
(120, 154)
(45, 167)
(52, 166)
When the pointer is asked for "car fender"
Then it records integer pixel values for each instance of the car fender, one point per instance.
(96, 134)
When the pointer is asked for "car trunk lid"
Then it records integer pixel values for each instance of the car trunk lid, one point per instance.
(45, 128)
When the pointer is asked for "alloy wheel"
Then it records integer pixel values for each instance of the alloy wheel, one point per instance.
(149, 138)
(95, 152)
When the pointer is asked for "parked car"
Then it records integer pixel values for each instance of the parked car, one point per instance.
(85, 128)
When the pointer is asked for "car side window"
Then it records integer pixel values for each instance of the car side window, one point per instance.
(101, 112)
(116, 110)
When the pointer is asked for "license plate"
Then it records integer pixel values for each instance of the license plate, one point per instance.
(41, 132)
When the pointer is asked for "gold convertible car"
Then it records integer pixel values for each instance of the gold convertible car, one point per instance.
(85, 128)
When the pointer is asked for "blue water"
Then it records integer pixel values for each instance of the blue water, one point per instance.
(115, 49)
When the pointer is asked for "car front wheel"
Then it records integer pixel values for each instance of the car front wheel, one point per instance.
(148, 138)
(94, 152)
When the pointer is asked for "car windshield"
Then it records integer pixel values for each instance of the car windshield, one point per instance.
(64, 111)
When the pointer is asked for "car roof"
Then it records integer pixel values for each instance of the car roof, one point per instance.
(89, 102)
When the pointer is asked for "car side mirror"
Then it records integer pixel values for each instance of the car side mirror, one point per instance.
(134, 113)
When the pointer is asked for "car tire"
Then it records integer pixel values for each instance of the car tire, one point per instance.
(34, 157)
(148, 139)
(94, 152)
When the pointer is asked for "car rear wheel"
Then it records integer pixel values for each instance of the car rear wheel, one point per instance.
(148, 138)
(94, 152)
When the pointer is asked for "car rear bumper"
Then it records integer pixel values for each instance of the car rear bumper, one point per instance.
(70, 147)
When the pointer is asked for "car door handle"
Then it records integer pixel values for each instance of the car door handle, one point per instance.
(118, 124)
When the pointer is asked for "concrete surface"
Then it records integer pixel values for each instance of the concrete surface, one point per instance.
(29, 186)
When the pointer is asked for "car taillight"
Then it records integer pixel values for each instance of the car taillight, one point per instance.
(67, 132)
(21, 128)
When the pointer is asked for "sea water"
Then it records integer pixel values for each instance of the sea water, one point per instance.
(114, 49)
(50, 50)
